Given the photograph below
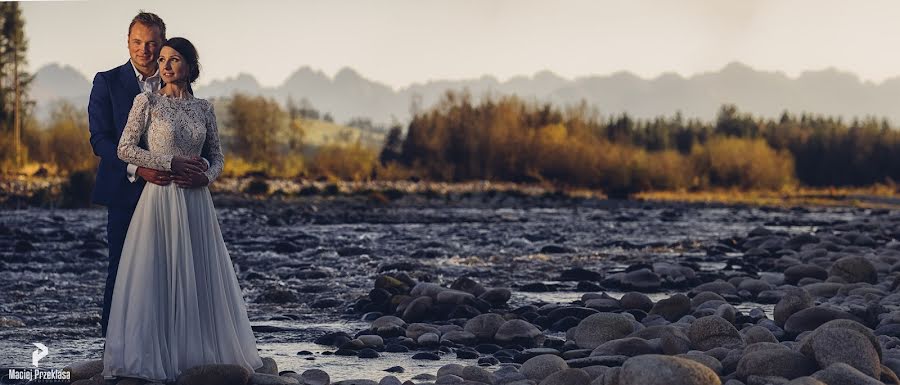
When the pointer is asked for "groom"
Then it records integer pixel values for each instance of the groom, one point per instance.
(119, 185)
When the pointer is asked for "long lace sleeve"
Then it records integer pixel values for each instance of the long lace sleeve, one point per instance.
(212, 151)
(137, 125)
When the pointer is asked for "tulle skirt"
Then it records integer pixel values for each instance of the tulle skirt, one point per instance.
(176, 302)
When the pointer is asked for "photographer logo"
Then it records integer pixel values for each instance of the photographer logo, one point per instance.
(20, 375)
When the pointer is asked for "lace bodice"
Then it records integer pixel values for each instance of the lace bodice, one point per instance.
(170, 127)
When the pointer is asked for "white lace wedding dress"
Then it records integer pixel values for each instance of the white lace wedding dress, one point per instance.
(176, 301)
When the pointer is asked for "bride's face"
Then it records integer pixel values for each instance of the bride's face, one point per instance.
(172, 67)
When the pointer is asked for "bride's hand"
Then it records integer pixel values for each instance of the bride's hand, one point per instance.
(186, 166)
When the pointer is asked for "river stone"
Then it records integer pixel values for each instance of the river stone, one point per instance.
(390, 380)
(474, 373)
(794, 300)
(704, 297)
(823, 289)
(635, 300)
(496, 296)
(419, 309)
(848, 324)
(713, 331)
(83, 370)
(641, 279)
(224, 374)
(854, 269)
(429, 339)
(460, 337)
(652, 369)
(598, 328)
(775, 362)
(538, 368)
(710, 361)
(830, 345)
(454, 297)
(485, 326)
(842, 374)
(672, 308)
(519, 332)
(356, 381)
(628, 346)
(812, 318)
(315, 377)
(795, 273)
(448, 379)
(567, 377)
(450, 369)
(270, 379)
(756, 334)
(719, 287)
(372, 341)
(806, 380)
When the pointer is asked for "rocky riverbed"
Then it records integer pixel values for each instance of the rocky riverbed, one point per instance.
(504, 288)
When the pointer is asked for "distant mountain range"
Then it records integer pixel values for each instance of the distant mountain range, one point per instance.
(348, 94)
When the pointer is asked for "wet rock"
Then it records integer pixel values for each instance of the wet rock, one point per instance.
(654, 369)
(794, 300)
(269, 366)
(756, 334)
(596, 361)
(829, 345)
(485, 326)
(567, 377)
(795, 273)
(556, 249)
(315, 377)
(538, 368)
(713, 331)
(854, 269)
(419, 309)
(474, 373)
(454, 297)
(429, 339)
(628, 346)
(580, 274)
(389, 380)
(496, 296)
(719, 287)
(519, 332)
(426, 356)
(367, 353)
(843, 374)
(460, 337)
(277, 295)
(83, 370)
(709, 361)
(642, 280)
(596, 329)
(672, 308)
(358, 381)
(812, 318)
(775, 362)
(635, 300)
(270, 379)
(225, 374)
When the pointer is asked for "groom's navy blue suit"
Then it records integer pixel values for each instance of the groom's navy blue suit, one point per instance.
(111, 98)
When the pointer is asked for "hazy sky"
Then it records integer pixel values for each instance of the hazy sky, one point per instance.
(400, 42)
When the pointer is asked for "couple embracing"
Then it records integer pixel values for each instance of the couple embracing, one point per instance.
(172, 299)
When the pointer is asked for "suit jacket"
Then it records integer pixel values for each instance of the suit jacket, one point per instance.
(110, 102)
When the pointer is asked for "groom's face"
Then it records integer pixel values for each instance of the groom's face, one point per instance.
(144, 43)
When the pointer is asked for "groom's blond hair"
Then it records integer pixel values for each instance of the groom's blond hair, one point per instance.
(150, 20)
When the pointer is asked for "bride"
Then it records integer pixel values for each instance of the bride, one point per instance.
(176, 303)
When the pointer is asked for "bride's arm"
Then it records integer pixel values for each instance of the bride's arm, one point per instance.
(138, 122)
(211, 148)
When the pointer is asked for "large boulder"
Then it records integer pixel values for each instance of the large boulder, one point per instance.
(224, 374)
(712, 332)
(653, 369)
(775, 362)
(598, 328)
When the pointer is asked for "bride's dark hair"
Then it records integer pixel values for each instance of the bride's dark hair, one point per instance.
(189, 53)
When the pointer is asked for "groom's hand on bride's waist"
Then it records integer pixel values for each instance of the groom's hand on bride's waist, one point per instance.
(157, 177)
(190, 180)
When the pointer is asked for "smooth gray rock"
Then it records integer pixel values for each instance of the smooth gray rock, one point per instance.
(756, 334)
(843, 374)
(672, 308)
(224, 374)
(811, 318)
(628, 346)
(652, 369)
(270, 379)
(775, 362)
(567, 377)
(519, 332)
(598, 328)
(485, 326)
(831, 345)
(83, 370)
(794, 300)
(710, 361)
(713, 331)
(854, 269)
(315, 377)
(538, 368)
